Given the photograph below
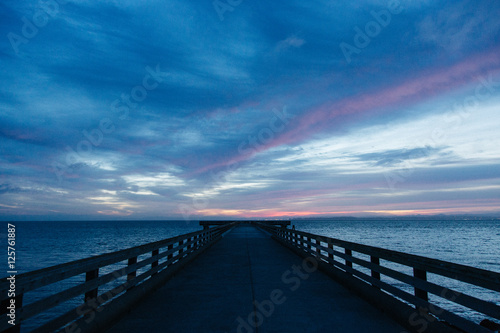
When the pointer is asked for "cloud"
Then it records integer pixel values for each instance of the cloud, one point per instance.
(398, 156)
(290, 42)
(8, 188)
(460, 26)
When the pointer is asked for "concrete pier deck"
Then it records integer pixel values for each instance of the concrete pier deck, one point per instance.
(247, 282)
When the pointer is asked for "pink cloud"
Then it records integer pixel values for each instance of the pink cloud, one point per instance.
(429, 84)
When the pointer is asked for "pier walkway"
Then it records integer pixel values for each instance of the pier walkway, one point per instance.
(251, 277)
(248, 282)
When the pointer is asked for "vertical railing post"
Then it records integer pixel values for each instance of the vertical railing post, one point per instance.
(155, 263)
(375, 274)
(318, 248)
(309, 243)
(348, 263)
(171, 255)
(91, 275)
(181, 248)
(133, 274)
(422, 275)
(330, 255)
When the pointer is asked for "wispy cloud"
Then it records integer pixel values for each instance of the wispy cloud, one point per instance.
(290, 42)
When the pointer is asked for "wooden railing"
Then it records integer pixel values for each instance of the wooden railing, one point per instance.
(339, 254)
(138, 278)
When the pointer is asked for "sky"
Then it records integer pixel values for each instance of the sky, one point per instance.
(121, 109)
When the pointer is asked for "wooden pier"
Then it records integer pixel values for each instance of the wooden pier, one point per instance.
(252, 276)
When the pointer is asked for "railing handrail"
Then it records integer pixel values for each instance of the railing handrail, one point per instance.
(470, 274)
(311, 245)
(80, 266)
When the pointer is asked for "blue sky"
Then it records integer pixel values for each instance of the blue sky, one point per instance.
(176, 109)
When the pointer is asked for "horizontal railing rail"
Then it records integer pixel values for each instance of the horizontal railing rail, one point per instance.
(172, 251)
(330, 250)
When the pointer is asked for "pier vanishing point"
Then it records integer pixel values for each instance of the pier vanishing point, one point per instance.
(251, 276)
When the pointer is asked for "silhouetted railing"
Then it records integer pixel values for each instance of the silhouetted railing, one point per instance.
(339, 254)
(139, 275)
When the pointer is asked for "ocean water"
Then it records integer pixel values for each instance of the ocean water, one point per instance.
(473, 242)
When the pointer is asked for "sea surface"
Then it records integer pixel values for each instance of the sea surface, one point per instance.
(469, 242)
